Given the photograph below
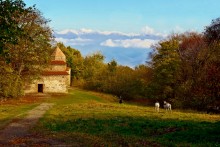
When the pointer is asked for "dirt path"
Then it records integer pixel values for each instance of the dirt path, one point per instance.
(20, 128)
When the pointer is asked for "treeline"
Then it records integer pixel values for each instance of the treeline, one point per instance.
(91, 72)
(184, 69)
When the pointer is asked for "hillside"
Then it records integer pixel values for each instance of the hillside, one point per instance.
(84, 118)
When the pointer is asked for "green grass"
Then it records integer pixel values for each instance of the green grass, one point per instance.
(84, 118)
(13, 111)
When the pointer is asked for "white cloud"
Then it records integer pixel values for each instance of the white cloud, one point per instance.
(129, 43)
(77, 32)
(109, 43)
(73, 42)
(117, 33)
(63, 40)
(148, 30)
(63, 32)
(86, 31)
(83, 37)
(145, 31)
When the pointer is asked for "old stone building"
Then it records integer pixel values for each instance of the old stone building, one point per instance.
(55, 79)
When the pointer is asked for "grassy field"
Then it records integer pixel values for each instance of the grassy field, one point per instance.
(84, 118)
(14, 109)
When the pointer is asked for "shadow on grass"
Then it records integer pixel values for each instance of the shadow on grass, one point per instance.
(130, 131)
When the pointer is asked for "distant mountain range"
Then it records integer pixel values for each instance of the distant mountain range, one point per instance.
(129, 49)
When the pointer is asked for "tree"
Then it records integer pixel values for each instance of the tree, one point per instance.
(212, 32)
(185, 71)
(194, 55)
(212, 36)
(122, 82)
(10, 11)
(32, 52)
(26, 51)
(92, 71)
(112, 66)
(144, 74)
(165, 65)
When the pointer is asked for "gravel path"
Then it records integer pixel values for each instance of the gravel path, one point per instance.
(20, 128)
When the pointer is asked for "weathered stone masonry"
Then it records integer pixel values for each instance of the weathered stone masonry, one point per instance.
(55, 79)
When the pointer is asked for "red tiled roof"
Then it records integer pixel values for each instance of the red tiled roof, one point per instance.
(50, 73)
(56, 62)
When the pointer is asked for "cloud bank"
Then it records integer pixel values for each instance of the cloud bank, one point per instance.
(74, 42)
(129, 43)
(126, 48)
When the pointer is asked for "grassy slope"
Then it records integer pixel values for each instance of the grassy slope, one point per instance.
(91, 119)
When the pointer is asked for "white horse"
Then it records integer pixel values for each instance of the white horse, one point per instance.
(167, 106)
(157, 106)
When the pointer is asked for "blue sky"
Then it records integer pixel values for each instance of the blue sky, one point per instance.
(124, 29)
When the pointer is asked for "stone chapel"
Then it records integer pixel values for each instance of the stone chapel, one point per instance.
(55, 79)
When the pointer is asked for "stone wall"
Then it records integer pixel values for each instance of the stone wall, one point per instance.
(51, 84)
(58, 68)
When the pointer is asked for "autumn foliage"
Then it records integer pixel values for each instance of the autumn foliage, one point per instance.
(186, 68)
